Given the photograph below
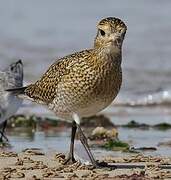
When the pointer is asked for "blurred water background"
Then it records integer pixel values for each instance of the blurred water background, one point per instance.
(39, 32)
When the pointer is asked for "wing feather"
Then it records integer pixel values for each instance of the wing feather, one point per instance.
(45, 89)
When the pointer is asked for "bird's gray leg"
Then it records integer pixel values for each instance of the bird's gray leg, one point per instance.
(96, 164)
(3, 131)
(70, 158)
(1, 138)
(83, 140)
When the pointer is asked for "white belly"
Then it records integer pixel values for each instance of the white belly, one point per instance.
(9, 106)
(65, 109)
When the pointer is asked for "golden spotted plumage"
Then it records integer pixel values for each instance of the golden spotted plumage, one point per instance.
(84, 82)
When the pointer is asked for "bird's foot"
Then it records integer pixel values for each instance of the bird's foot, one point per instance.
(69, 160)
(104, 165)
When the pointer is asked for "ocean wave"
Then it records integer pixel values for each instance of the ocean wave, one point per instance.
(161, 98)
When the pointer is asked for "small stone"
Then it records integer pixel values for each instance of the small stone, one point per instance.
(102, 133)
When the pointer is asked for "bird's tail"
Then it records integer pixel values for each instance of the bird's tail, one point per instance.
(17, 91)
(30, 92)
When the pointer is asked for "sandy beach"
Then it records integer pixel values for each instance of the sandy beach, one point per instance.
(33, 164)
(20, 160)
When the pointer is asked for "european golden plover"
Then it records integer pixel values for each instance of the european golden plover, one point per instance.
(84, 83)
(11, 77)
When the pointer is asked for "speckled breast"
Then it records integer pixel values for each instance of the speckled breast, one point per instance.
(87, 90)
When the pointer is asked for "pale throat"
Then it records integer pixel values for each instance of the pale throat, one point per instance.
(110, 50)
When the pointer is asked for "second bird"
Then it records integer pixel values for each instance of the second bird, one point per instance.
(84, 83)
(11, 77)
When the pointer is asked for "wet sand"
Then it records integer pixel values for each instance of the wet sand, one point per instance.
(33, 164)
(46, 139)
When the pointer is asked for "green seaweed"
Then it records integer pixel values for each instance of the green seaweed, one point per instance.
(32, 121)
(162, 126)
(116, 145)
(22, 121)
(134, 124)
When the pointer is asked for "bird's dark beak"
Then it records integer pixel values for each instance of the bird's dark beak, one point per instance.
(19, 62)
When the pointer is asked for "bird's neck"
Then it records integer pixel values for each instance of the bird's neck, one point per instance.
(110, 52)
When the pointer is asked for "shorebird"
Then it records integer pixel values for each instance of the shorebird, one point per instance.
(84, 83)
(11, 77)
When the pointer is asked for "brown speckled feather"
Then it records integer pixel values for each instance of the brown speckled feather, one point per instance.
(44, 89)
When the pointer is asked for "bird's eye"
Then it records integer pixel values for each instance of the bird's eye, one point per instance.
(102, 32)
(12, 68)
(119, 30)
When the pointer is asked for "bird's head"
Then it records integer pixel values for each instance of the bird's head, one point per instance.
(15, 72)
(111, 32)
